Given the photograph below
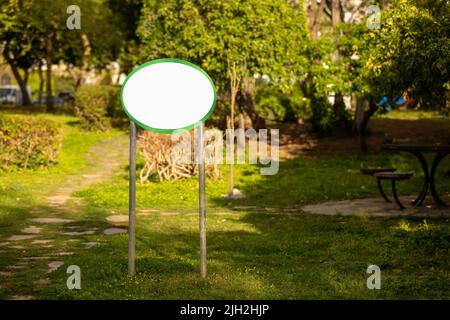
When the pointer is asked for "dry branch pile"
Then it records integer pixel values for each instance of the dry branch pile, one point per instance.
(173, 156)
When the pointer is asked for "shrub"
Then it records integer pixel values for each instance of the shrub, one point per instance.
(323, 117)
(28, 142)
(98, 107)
(299, 107)
(271, 103)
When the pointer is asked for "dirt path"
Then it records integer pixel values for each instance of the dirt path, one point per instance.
(105, 160)
(37, 248)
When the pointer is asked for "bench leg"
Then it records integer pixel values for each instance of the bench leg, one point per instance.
(394, 192)
(380, 188)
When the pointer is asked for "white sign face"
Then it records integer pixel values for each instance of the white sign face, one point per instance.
(168, 95)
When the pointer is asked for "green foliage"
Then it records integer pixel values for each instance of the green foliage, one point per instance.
(411, 49)
(98, 107)
(271, 103)
(275, 105)
(28, 142)
(265, 37)
(324, 118)
(299, 107)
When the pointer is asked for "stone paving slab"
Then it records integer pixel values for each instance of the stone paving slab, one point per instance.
(112, 231)
(20, 237)
(54, 265)
(376, 207)
(21, 297)
(38, 241)
(51, 220)
(79, 233)
(31, 230)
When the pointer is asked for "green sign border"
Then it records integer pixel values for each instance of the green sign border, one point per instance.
(168, 131)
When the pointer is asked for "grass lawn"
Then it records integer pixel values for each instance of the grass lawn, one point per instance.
(253, 253)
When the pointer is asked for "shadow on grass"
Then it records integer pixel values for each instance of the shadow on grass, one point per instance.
(303, 181)
(250, 256)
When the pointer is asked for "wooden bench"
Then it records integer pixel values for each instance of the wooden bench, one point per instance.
(393, 177)
(371, 172)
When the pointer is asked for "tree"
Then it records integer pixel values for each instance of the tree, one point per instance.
(16, 39)
(232, 40)
(36, 31)
(126, 18)
(409, 51)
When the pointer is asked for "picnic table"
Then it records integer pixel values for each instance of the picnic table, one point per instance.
(418, 151)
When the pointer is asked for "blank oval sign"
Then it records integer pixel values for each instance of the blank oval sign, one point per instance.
(168, 95)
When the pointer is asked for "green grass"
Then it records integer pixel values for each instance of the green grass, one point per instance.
(299, 181)
(411, 115)
(251, 254)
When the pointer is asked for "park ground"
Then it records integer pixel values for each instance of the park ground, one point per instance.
(261, 247)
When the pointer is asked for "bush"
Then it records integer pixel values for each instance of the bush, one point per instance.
(98, 107)
(271, 103)
(299, 107)
(28, 142)
(323, 117)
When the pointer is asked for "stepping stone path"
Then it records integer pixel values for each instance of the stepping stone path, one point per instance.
(112, 231)
(61, 200)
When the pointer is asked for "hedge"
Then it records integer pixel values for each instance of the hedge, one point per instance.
(98, 107)
(28, 142)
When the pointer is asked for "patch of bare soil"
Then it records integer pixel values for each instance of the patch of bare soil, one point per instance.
(298, 139)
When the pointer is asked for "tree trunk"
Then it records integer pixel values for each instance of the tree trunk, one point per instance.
(84, 60)
(362, 120)
(234, 88)
(49, 61)
(311, 13)
(336, 12)
(26, 100)
(41, 82)
(249, 103)
(118, 75)
(317, 17)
